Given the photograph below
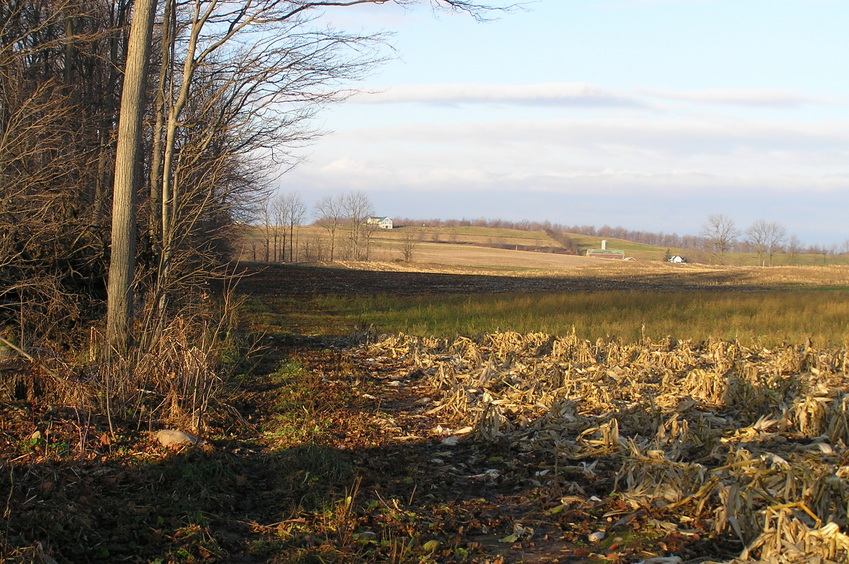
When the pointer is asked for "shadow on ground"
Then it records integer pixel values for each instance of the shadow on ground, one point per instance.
(360, 477)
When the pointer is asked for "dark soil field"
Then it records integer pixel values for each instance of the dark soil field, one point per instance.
(373, 279)
(320, 453)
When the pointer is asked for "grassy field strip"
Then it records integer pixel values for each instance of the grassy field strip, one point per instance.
(765, 318)
(748, 444)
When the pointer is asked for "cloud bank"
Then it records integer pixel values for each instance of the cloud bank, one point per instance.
(580, 95)
(650, 152)
(558, 94)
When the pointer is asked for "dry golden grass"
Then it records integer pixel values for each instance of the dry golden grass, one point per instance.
(466, 252)
(493, 259)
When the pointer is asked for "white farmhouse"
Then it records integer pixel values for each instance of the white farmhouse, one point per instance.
(382, 222)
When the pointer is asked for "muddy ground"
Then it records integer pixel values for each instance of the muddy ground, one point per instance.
(398, 280)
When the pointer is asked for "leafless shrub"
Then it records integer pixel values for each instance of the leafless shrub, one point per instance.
(174, 373)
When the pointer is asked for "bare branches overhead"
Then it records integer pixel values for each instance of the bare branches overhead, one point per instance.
(230, 92)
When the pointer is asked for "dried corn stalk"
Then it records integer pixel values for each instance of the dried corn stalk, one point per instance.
(752, 440)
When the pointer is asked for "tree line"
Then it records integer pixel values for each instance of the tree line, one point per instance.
(134, 134)
(348, 235)
(142, 173)
(764, 238)
(343, 217)
(718, 236)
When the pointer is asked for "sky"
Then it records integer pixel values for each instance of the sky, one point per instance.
(646, 114)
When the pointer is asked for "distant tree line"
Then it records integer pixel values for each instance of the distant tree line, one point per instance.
(348, 236)
(344, 219)
(719, 236)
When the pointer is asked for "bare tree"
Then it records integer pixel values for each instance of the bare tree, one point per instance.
(357, 208)
(758, 237)
(281, 220)
(776, 236)
(794, 247)
(766, 238)
(409, 242)
(720, 233)
(56, 106)
(296, 210)
(240, 83)
(330, 213)
(122, 261)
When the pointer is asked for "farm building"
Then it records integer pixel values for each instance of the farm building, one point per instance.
(604, 252)
(382, 222)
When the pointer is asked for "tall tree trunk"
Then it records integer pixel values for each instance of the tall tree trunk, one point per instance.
(165, 75)
(122, 262)
(170, 197)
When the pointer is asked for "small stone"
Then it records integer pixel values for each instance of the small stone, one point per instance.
(172, 437)
(595, 538)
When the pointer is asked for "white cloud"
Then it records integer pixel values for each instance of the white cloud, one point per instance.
(654, 192)
(559, 94)
(669, 143)
(741, 97)
(583, 95)
(512, 169)
(677, 201)
(662, 159)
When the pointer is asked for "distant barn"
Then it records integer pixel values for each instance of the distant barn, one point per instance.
(604, 252)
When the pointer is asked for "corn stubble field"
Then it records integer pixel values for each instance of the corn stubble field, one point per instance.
(745, 444)
(422, 413)
(736, 450)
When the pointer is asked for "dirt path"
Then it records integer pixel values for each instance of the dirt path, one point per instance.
(472, 492)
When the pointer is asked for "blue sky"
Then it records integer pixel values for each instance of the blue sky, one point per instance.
(649, 114)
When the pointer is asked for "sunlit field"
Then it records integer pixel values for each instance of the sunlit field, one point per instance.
(420, 244)
(766, 318)
(694, 414)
